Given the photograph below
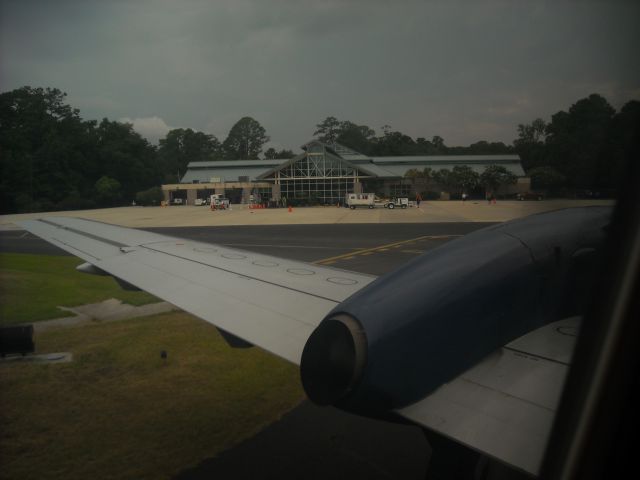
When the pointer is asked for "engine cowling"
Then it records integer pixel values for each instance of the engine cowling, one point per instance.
(414, 329)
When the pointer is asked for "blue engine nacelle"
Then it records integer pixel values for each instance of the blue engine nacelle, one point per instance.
(416, 328)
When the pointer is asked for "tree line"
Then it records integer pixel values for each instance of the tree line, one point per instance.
(579, 152)
(461, 179)
(363, 139)
(584, 148)
(52, 159)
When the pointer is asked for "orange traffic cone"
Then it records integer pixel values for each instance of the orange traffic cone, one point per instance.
(290, 209)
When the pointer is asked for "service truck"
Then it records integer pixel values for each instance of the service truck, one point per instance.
(353, 200)
(397, 202)
(218, 202)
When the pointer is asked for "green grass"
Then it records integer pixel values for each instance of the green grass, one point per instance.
(32, 286)
(119, 411)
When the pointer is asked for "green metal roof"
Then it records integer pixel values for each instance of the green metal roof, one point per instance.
(380, 167)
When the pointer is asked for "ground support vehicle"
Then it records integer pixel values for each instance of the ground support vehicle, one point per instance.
(353, 200)
(218, 202)
(399, 202)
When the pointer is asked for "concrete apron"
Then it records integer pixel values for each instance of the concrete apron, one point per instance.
(108, 311)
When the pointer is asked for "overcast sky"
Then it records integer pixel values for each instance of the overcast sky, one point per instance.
(466, 71)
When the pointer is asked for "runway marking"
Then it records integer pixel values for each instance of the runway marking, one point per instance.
(261, 245)
(381, 248)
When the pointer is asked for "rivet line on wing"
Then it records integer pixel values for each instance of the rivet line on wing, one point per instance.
(247, 276)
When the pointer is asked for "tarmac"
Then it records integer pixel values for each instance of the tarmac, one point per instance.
(428, 212)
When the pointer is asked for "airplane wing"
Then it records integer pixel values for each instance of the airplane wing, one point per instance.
(270, 302)
(503, 406)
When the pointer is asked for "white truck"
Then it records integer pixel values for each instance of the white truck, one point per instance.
(353, 200)
(219, 202)
(397, 202)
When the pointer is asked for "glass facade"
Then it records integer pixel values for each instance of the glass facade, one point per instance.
(318, 177)
(400, 190)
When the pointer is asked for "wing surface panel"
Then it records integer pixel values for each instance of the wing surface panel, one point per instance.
(76, 234)
(267, 301)
(112, 233)
(505, 405)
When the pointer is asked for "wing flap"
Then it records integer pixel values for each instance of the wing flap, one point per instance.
(505, 405)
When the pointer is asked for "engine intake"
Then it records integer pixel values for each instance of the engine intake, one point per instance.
(333, 359)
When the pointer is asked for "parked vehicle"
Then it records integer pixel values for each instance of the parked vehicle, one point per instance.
(353, 200)
(219, 202)
(530, 196)
(397, 202)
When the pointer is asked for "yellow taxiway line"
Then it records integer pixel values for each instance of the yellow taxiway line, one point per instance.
(380, 248)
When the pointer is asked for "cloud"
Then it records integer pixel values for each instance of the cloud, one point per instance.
(152, 128)
(427, 68)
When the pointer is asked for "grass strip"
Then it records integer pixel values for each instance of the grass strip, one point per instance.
(32, 287)
(120, 411)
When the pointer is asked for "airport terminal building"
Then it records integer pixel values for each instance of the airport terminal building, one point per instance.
(323, 174)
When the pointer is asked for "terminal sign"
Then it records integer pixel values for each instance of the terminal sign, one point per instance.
(216, 180)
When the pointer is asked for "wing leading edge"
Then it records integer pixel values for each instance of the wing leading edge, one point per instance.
(270, 302)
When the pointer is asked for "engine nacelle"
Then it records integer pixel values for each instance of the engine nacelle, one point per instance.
(410, 331)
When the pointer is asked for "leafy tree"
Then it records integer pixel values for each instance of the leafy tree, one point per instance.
(419, 178)
(124, 155)
(424, 147)
(181, 146)
(464, 178)
(495, 176)
(444, 178)
(285, 154)
(272, 154)
(530, 144)
(151, 196)
(245, 140)
(622, 145)
(328, 130)
(438, 144)
(577, 139)
(357, 137)
(486, 148)
(546, 178)
(108, 190)
(413, 173)
(395, 143)
(44, 149)
(349, 134)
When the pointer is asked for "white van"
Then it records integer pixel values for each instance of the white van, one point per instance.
(353, 200)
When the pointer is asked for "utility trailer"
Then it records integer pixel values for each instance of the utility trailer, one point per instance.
(353, 200)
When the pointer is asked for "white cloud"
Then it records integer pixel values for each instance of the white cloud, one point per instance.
(152, 128)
